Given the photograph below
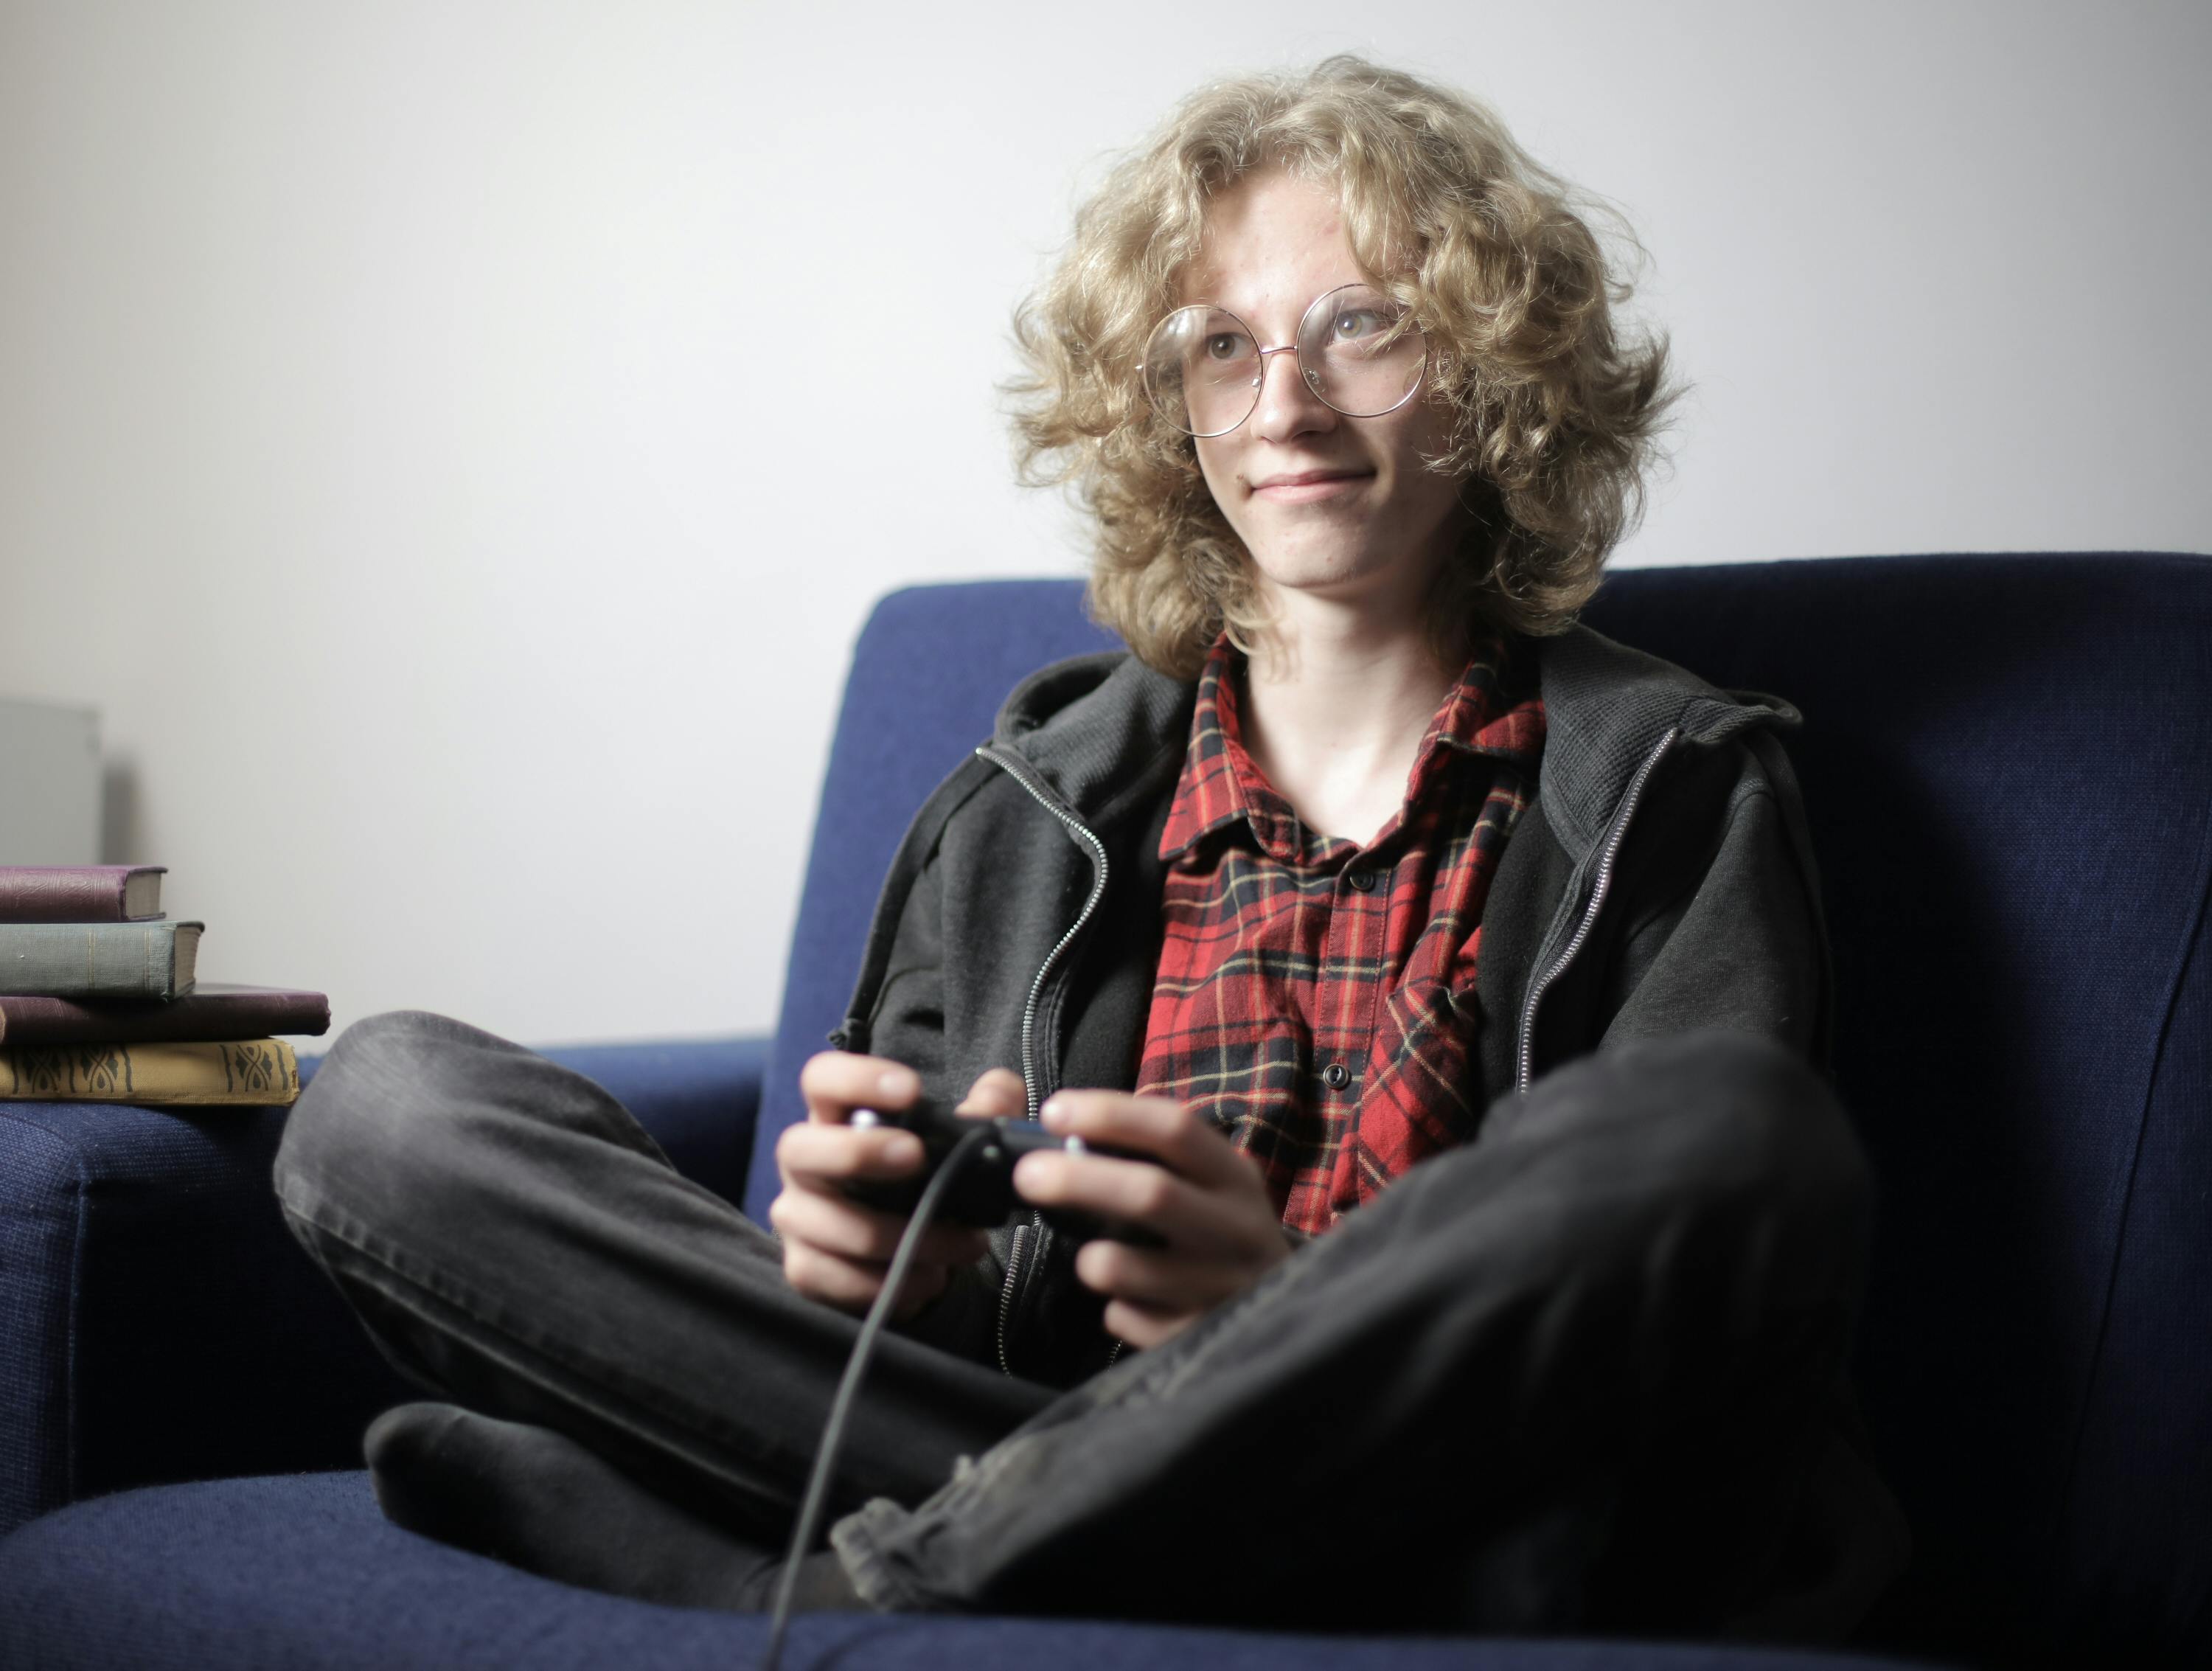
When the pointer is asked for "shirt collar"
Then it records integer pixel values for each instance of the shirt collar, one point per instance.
(1492, 711)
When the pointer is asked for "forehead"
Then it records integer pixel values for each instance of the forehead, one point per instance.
(1273, 238)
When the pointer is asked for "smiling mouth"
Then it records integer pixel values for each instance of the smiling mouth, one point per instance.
(1311, 484)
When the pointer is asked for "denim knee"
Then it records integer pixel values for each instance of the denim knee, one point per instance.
(1739, 1118)
(1712, 1129)
(369, 1126)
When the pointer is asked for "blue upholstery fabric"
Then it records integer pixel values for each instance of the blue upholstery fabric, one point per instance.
(2008, 771)
(157, 1322)
(274, 1575)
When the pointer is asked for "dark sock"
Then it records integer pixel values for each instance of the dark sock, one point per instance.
(537, 1499)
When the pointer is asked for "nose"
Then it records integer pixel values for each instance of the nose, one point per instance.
(1288, 406)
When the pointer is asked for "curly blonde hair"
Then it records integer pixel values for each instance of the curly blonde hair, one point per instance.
(1551, 415)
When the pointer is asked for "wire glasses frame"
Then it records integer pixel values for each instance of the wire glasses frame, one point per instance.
(1357, 350)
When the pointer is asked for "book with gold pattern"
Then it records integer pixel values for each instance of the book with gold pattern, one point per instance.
(254, 1073)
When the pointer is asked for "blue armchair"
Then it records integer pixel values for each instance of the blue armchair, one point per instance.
(2008, 765)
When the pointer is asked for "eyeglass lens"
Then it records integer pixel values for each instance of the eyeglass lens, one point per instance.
(1356, 349)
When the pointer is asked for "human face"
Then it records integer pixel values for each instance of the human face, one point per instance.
(1329, 507)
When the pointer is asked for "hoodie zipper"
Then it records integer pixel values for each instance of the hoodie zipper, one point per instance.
(1598, 891)
(1016, 769)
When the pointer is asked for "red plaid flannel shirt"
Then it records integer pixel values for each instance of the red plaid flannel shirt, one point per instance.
(1305, 998)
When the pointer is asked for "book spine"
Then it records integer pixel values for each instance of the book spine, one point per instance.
(208, 1011)
(253, 1073)
(63, 893)
(92, 960)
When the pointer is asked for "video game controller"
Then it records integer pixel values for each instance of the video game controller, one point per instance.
(983, 1194)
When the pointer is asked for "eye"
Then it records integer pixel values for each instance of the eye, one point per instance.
(1351, 324)
(1223, 345)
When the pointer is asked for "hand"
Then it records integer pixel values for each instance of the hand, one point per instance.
(1206, 1202)
(836, 1250)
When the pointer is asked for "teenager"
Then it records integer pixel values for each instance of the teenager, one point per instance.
(1447, 973)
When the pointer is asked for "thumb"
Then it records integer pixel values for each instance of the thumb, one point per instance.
(1001, 1091)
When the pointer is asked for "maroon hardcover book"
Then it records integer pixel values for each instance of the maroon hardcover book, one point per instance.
(80, 893)
(213, 1010)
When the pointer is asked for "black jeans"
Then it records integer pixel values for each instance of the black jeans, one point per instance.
(1583, 1374)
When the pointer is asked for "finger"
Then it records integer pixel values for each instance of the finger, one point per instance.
(836, 1225)
(823, 1157)
(1141, 1325)
(836, 1082)
(1157, 1126)
(998, 1093)
(848, 1285)
(1135, 1192)
(852, 1284)
(1163, 1282)
(923, 1284)
(1238, 1226)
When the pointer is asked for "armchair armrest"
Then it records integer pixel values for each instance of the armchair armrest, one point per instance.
(157, 1320)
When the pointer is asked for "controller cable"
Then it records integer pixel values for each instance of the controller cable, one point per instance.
(817, 1486)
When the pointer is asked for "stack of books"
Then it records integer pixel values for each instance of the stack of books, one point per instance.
(98, 1003)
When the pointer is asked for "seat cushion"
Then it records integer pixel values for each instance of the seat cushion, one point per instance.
(297, 1572)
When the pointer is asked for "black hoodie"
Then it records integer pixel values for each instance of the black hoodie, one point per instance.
(1661, 883)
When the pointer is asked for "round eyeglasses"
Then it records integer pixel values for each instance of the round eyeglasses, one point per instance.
(1357, 349)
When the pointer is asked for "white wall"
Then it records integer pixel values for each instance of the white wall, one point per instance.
(453, 443)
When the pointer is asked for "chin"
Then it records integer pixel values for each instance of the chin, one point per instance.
(1319, 570)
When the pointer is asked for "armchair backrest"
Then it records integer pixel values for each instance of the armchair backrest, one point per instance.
(2007, 762)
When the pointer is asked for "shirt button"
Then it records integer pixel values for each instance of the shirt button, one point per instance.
(1362, 880)
(1336, 1076)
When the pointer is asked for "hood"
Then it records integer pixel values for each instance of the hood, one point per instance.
(1099, 730)
(1102, 730)
(1606, 707)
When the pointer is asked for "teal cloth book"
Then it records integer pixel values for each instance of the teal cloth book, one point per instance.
(99, 959)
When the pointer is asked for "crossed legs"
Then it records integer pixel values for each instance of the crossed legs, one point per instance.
(1579, 1375)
